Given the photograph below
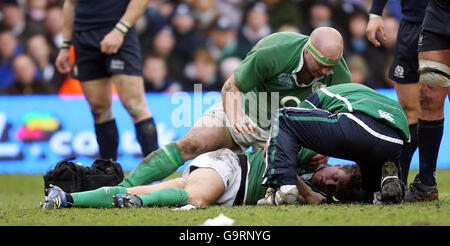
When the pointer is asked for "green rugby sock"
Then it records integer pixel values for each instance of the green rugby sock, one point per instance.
(99, 198)
(165, 197)
(158, 165)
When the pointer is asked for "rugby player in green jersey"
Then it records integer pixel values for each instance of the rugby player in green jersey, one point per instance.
(280, 70)
(348, 121)
(220, 177)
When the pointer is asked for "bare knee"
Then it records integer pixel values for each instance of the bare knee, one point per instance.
(201, 139)
(191, 146)
(101, 112)
(179, 183)
(198, 200)
(136, 108)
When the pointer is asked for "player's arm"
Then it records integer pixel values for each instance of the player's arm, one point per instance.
(307, 194)
(232, 105)
(62, 62)
(112, 42)
(376, 24)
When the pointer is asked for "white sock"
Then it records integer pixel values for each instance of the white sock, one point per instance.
(286, 188)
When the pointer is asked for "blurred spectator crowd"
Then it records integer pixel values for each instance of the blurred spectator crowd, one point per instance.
(186, 42)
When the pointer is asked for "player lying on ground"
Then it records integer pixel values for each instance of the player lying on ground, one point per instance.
(348, 121)
(221, 177)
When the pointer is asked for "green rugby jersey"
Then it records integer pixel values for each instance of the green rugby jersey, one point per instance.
(255, 189)
(272, 66)
(360, 98)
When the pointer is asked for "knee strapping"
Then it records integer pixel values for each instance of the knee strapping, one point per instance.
(434, 73)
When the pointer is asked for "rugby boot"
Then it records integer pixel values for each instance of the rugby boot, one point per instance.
(127, 201)
(421, 192)
(391, 185)
(56, 198)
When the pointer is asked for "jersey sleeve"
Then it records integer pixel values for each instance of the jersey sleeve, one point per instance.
(377, 7)
(254, 69)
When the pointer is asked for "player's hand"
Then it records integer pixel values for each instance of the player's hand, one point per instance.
(315, 198)
(269, 192)
(301, 199)
(62, 62)
(375, 26)
(318, 160)
(112, 42)
(244, 126)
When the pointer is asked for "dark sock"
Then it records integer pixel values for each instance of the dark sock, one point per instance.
(69, 199)
(429, 136)
(108, 139)
(147, 135)
(407, 153)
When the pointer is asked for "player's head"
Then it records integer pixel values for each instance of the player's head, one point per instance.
(340, 181)
(323, 51)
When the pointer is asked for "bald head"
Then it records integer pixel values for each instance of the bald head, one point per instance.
(328, 41)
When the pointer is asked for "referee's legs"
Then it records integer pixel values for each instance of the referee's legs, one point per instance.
(98, 93)
(132, 95)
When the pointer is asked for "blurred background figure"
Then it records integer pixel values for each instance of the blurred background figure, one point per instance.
(205, 13)
(163, 46)
(282, 12)
(155, 17)
(203, 70)
(39, 50)
(232, 9)
(357, 44)
(187, 37)
(227, 67)
(222, 41)
(156, 79)
(14, 18)
(36, 10)
(54, 26)
(9, 48)
(319, 15)
(255, 27)
(26, 83)
(358, 69)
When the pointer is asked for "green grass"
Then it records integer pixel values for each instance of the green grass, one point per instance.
(20, 196)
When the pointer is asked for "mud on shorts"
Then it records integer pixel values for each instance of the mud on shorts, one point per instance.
(226, 163)
(92, 64)
(257, 139)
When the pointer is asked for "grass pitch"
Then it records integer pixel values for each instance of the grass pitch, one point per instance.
(20, 196)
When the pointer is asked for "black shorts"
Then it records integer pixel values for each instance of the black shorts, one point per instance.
(435, 33)
(432, 41)
(92, 64)
(404, 67)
